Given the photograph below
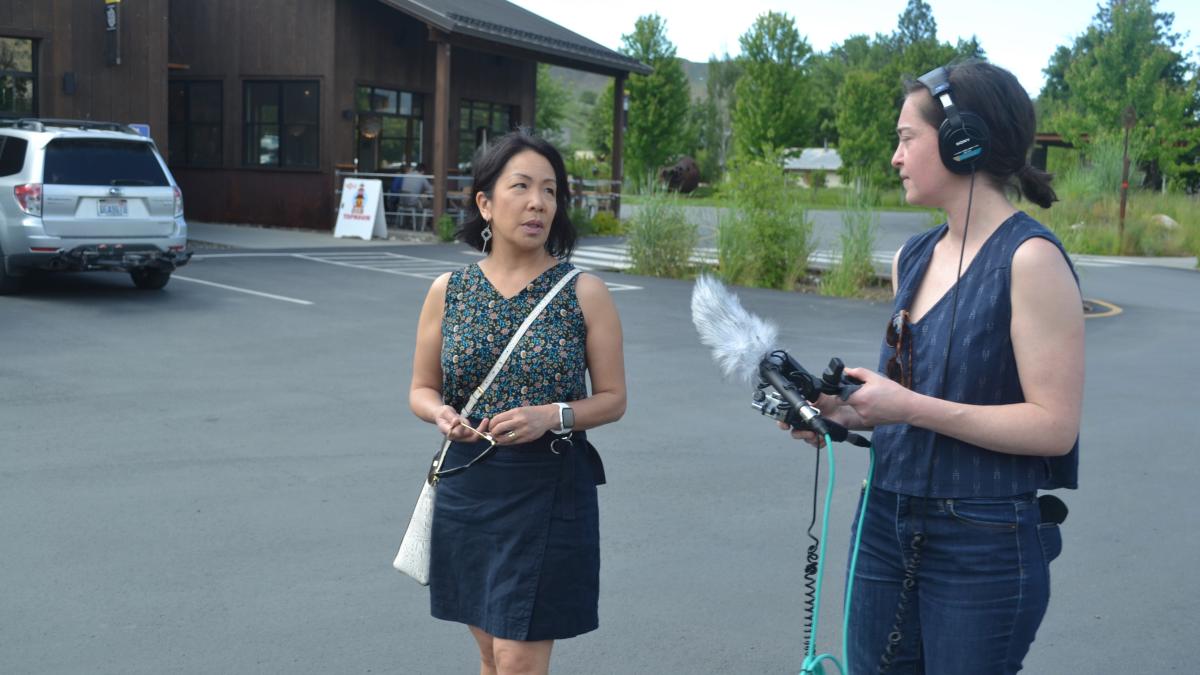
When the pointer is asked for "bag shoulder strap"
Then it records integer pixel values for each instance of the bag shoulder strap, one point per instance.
(508, 350)
(512, 343)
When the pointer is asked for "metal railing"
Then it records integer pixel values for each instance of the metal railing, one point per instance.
(414, 211)
(411, 210)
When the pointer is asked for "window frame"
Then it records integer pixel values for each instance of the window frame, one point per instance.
(32, 76)
(413, 138)
(467, 128)
(250, 128)
(181, 132)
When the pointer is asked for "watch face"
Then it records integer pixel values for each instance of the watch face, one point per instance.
(568, 418)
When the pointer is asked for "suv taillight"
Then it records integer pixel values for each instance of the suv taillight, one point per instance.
(29, 198)
(178, 202)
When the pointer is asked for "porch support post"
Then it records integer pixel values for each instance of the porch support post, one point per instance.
(618, 142)
(441, 121)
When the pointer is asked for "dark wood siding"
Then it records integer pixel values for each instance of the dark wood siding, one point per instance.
(381, 47)
(341, 44)
(71, 39)
(234, 41)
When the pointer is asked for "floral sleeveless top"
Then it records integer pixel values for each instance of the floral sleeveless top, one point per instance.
(547, 365)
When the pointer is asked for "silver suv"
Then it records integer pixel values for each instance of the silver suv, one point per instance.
(78, 195)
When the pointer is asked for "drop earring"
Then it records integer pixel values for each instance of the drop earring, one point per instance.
(486, 234)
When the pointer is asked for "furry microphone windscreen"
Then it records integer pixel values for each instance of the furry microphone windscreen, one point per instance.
(738, 339)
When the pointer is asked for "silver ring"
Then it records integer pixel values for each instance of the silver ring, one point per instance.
(511, 434)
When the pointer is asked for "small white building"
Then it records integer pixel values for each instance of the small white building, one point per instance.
(804, 161)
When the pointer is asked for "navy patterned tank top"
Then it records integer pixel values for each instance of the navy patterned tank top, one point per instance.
(982, 371)
(547, 365)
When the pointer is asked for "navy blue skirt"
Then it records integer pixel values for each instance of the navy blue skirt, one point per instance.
(516, 540)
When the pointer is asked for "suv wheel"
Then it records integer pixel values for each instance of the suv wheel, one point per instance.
(8, 283)
(148, 279)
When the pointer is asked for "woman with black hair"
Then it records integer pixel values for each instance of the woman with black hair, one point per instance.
(515, 541)
(977, 400)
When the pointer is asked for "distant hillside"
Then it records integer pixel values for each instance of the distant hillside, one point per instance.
(579, 82)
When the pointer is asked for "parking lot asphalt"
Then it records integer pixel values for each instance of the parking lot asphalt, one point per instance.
(214, 477)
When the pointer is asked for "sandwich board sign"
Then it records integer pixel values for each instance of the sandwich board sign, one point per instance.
(361, 211)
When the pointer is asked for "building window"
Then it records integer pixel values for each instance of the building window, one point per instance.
(390, 128)
(281, 124)
(18, 77)
(194, 130)
(478, 122)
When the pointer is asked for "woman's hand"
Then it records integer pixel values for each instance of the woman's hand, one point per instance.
(879, 400)
(525, 424)
(832, 408)
(450, 423)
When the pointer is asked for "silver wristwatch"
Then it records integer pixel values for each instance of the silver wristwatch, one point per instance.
(566, 419)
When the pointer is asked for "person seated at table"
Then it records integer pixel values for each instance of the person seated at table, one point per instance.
(412, 187)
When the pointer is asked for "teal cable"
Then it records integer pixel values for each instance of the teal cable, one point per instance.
(862, 516)
(812, 662)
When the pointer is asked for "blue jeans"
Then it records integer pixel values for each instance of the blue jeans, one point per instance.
(982, 584)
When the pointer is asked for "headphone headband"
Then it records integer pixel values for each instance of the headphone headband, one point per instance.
(937, 81)
(963, 136)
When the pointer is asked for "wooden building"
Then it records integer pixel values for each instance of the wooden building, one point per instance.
(84, 59)
(257, 104)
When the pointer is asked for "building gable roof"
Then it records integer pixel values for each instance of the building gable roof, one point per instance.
(502, 22)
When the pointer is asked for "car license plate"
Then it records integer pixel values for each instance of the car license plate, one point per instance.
(112, 207)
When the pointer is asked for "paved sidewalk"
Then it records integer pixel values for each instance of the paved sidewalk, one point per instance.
(220, 235)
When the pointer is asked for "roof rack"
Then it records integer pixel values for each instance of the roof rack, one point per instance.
(40, 124)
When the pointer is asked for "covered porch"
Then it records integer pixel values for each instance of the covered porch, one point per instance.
(460, 33)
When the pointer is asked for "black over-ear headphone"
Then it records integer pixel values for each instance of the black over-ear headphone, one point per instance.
(963, 138)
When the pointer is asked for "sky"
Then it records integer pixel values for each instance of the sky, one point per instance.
(1019, 35)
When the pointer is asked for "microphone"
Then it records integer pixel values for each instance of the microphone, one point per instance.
(739, 340)
(744, 347)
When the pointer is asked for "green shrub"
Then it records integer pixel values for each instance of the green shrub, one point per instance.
(765, 239)
(1089, 223)
(445, 227)
(661, 240)
(581, 220)
(605, 224)
(1087, 216)
(850, 275)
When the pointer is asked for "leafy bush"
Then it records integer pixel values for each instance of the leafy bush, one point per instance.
(661, 240)
(1087, 216)
(581, 220)
(605, 224)
(446, 228)
(765, 239)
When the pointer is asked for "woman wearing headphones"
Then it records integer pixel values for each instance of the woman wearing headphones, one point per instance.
(977, 402)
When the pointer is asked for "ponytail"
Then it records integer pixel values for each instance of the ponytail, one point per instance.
(1035, 186)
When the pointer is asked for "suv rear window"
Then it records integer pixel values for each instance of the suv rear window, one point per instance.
(12, 155)
(87, 161)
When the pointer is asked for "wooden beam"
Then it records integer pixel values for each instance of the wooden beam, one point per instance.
(618, 141)
(441, 122)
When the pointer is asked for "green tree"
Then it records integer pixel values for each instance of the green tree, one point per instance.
(713, 116)
(866, 123)
(657, 124)
(599, 122)
(916, 24)
(772, 108)
(859, 86)
(553, 105)
(710, 133)
(1128, 57)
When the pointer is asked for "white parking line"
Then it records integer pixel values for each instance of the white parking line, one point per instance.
(242, 290)
(407, 265)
